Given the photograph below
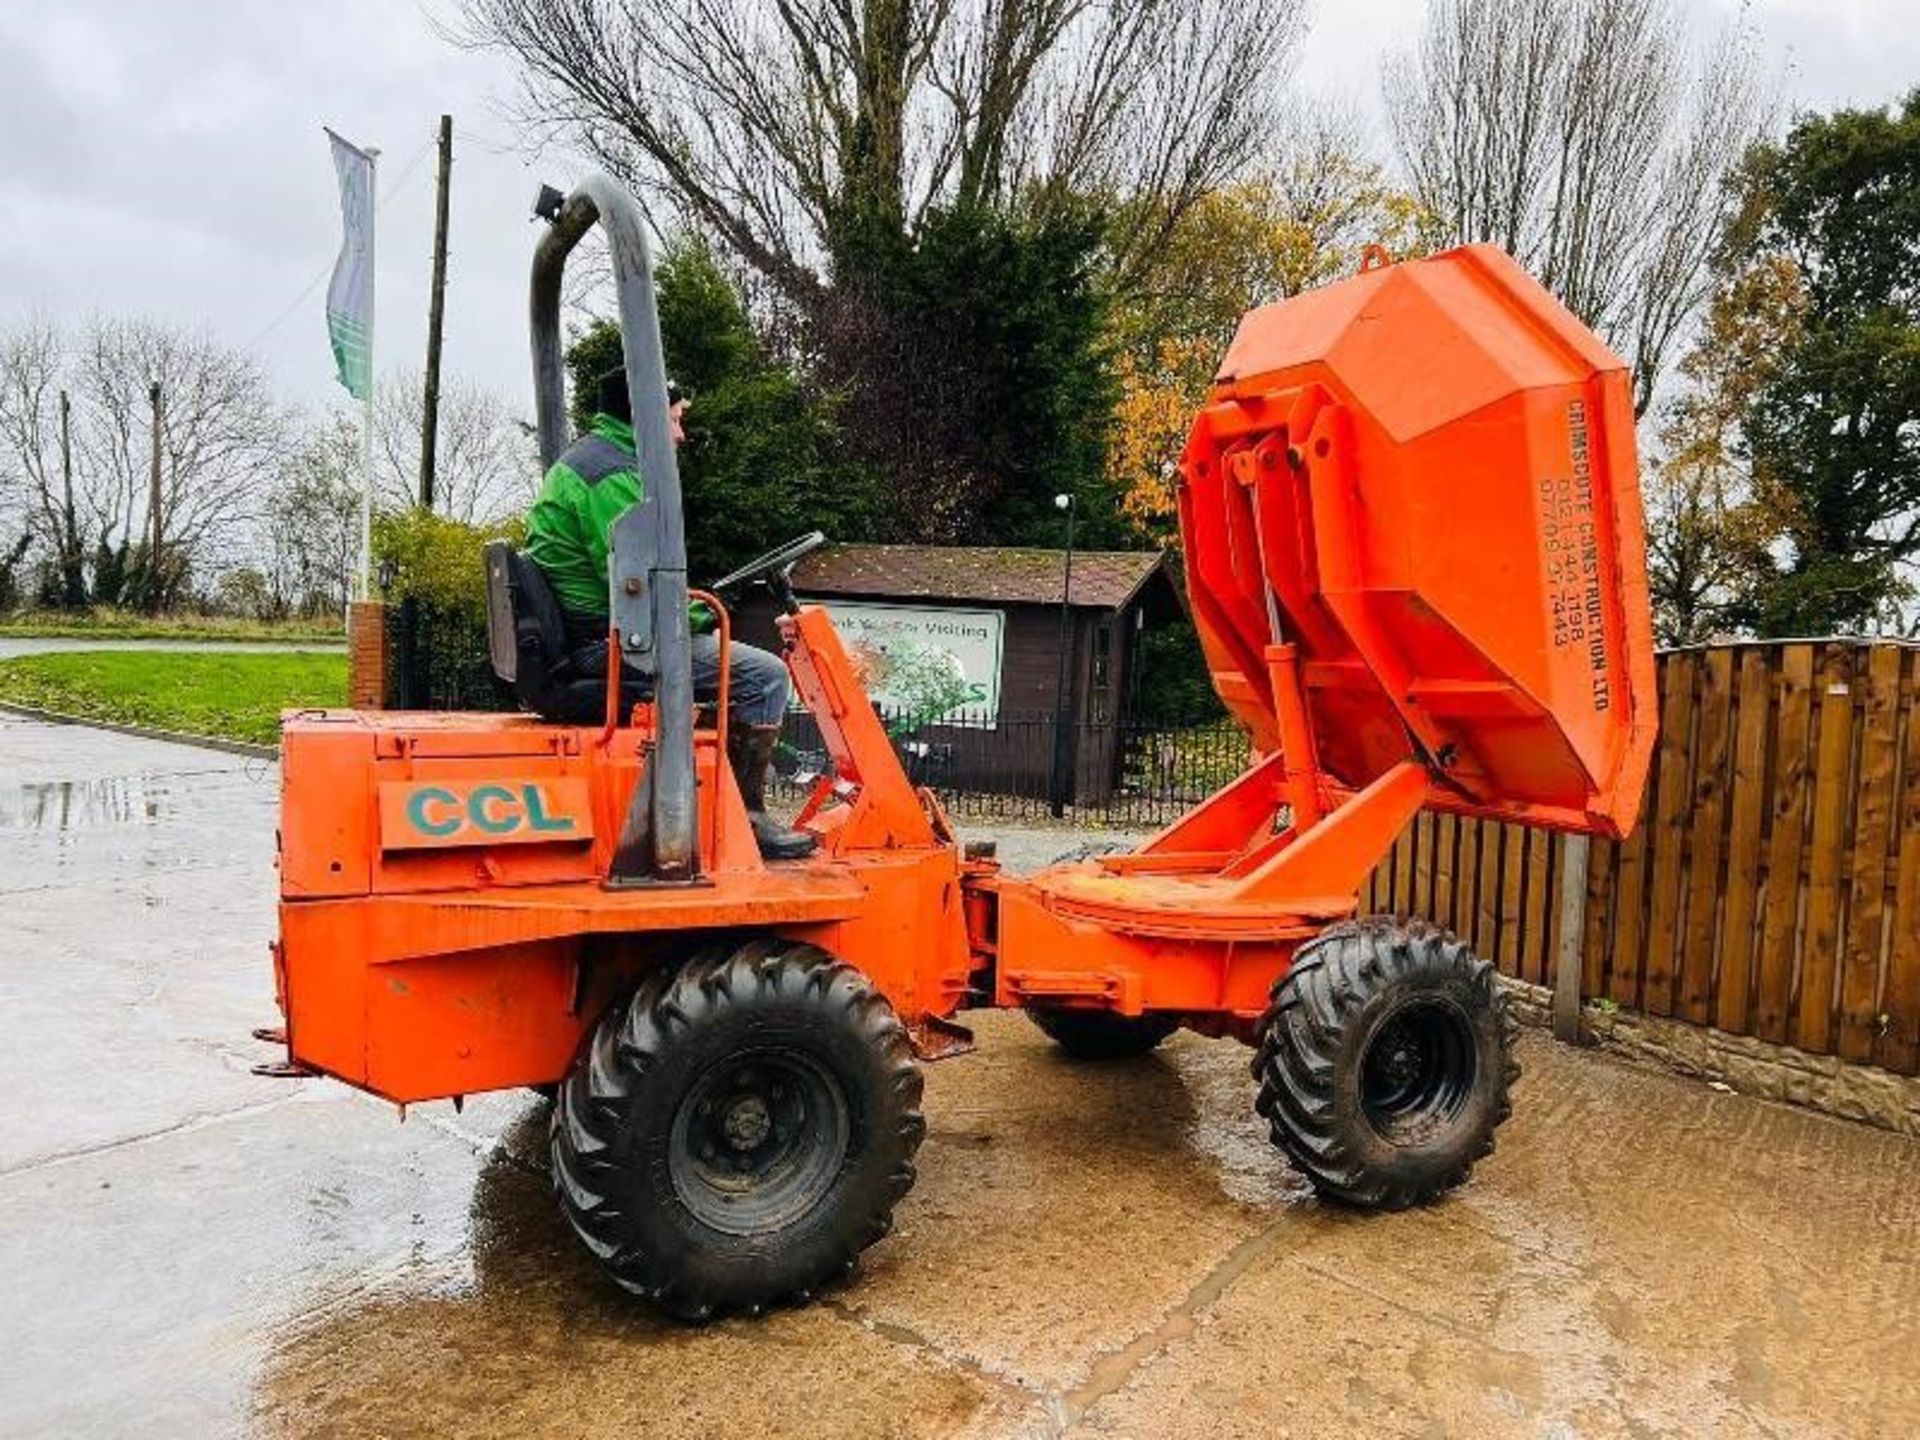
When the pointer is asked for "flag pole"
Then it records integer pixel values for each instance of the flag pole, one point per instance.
(366, 427)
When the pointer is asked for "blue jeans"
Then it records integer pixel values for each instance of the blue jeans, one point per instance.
(758, 688)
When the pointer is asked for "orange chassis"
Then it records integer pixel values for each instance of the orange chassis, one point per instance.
(445, 928)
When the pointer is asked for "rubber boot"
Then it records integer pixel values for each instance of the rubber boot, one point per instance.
(750, 750)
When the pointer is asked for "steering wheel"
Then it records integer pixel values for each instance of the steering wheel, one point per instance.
(774, 567)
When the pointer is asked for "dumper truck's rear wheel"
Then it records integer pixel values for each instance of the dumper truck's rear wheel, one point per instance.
(1384, 1062)
(736, 1134)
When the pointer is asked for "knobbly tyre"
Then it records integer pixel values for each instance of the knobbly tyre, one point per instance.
(1414, 556)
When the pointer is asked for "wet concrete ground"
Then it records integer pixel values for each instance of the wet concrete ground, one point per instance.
(1090, 1250)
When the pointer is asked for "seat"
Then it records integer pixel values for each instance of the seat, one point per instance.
(527, 645)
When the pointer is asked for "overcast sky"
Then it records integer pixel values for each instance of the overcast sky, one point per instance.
(166, 157)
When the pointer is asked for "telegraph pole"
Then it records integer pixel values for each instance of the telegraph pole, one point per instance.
(153, 503)
(436, 317)
(71, 592)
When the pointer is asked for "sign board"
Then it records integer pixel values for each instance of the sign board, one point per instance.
(924, 664)
(435, 815)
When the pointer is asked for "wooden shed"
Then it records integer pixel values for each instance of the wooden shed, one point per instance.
(998, 613)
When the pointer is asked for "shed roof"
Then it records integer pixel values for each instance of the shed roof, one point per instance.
(1102, 579)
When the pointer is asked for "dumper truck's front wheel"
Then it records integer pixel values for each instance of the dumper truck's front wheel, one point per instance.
(1384, 1062)
(736, 1134)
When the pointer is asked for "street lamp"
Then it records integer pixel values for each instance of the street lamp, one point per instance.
(1063, 687)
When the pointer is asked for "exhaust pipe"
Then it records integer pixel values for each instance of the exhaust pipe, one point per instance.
(648, 568)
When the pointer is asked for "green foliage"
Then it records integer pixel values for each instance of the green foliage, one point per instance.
(1171, 681)
(10, 560)
(244, 590)
(963, 381)
(760, 463)
(233, 696)
(111, 565)
(437, 560)
(976, 377)
(704, 329)
(1836, 428)
(147, 586)
(594, 351)
(437, 627)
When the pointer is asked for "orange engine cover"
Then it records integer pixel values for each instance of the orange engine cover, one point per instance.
(1424, 478)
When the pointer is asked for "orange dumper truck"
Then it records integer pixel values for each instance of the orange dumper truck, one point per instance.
(1414, 554)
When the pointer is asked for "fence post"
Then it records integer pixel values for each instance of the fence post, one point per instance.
(367, 654)
(1571, 934)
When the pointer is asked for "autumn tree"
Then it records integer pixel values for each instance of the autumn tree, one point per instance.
(1835, 427)
(1712, 526)
(1301, 221)
(1591, 140)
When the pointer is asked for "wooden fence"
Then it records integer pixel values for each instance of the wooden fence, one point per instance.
(1772, 888)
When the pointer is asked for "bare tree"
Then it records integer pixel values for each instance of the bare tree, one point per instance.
(797, 132)
(1589, 139)
(313, 534)
(1337, 199)
(487, 464)
(221, 433)
(37, 488)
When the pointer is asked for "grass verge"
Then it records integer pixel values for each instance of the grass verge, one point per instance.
(234, 696)
(109, 624)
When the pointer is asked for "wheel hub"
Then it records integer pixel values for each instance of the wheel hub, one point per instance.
(748, 1124)
(759, 1140)
(1400, 1058)
(1417, 1072)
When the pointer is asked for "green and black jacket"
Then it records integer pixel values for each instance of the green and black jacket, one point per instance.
(570, 529)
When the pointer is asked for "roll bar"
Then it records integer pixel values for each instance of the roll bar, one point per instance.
(647, 570)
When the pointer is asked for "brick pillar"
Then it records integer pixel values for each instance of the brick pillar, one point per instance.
(367, 655)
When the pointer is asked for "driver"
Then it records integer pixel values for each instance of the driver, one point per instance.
(568, 537)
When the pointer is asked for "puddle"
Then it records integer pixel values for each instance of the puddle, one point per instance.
(63, 805)
(1225, 1133)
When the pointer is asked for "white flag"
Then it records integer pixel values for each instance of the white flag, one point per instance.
(350, 294)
